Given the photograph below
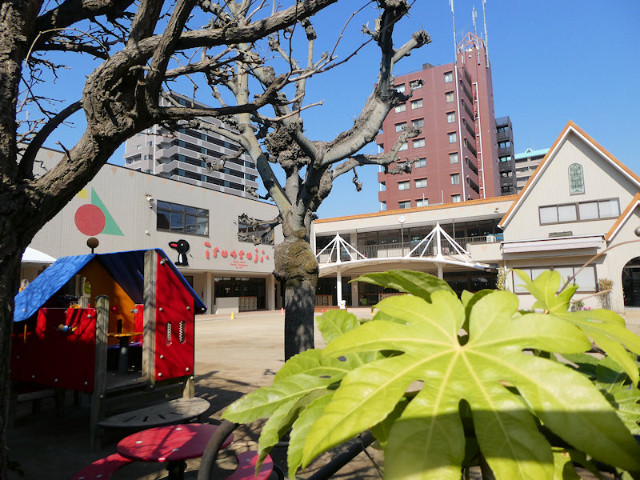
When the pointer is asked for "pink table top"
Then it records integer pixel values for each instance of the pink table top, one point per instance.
(169, 443)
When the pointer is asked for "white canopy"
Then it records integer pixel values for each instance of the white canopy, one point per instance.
(31, 255)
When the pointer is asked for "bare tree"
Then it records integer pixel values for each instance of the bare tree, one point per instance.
(145, 48)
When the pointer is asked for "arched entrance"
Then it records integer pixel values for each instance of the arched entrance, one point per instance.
(631, 283)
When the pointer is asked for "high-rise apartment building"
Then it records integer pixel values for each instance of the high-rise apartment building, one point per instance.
(189, 155)
(526, 163)
(506, 165)
(455, 157)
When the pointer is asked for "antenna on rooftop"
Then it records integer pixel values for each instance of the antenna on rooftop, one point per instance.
(455, 41)
(486, 34)
(474, 17)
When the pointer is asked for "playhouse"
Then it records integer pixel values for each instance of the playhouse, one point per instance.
(83, 307)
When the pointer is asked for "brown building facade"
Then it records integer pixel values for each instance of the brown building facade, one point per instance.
(454, 158)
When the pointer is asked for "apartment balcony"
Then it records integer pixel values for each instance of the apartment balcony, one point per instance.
(503, 136)
(508, 181)
(507, 166)
(504, 151)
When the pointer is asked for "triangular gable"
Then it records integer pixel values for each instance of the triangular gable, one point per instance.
(569, 128)
(622, 219)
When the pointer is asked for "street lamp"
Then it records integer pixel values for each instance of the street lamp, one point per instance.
(401, 220)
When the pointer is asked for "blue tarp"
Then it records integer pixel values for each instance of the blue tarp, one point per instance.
(126, 268)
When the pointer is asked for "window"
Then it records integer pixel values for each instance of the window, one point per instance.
(404, 146)
(585, 279)
(418, 123)
(453, 137)
(455, 198)
(449, 97)
(455, 179)
(504, 159)
(576, 179)
(421, 162)
(451, 117)
(582, 211)
(453, 157)
(404, 185)
(399, 88)
(401, 108)
(404, 205)
(416, 104)
(400, 126)
(421, 183)
(251, 229)
(448, 77)
(416, 84)
(418, 143)
(173, 217)
(423, 202)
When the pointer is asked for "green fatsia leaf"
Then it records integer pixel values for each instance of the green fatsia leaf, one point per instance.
(265, 401)
(563, 466)
(501, 383)
(606, 328)
(334, 323)
(300, 430)
(314, 363)
(416, 283)
(624, 396)
(381, 430)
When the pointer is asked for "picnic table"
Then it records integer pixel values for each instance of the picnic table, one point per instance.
(173, 444)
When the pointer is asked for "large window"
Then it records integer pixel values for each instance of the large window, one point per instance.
(416, 104)
(416, 84)
(404, 185)
(576, 179)
(422, 202)
(580, 212)
(418, 143)
(453, 157)
(399, 88)
(453, 137)
(455, 179)
(455, 198)
(173, 217)
(448, 77)
(400, 126)
(449, 97)
(421, 183)
(451, 117)
(401, 108)
(250, 230)
(418, 123)
(421, 162)
(404, 205)
(585, 279)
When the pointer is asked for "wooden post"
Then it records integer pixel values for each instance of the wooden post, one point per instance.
(149, 316)
(100, 374)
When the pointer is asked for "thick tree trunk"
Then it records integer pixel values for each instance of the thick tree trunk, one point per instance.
(9, 280)
(297, 268)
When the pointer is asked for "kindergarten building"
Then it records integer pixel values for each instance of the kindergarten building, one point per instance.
(204, 232)
(580, 203)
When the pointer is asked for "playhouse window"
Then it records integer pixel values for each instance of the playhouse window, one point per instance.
(250, 230)
(173, 217)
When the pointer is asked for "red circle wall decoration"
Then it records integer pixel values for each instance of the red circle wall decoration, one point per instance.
(90, 220)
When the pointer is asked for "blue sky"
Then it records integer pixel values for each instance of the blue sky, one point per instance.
(552, 61)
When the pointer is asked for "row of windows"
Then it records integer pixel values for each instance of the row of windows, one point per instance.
(423, 202)
(449, 97)
(177, 218)
(422, 182)
(585, 278)
(421, 142)
(580, 211)
(417, 84)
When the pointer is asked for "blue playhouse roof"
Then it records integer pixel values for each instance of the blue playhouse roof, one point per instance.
(126, 268)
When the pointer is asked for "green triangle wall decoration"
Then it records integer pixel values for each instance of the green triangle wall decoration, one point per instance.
(110, 227)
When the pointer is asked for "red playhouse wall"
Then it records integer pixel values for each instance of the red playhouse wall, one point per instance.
(175, 321)
(57, 350)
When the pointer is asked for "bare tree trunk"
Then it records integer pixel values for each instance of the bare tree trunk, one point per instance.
(297, 268)
(9, 279)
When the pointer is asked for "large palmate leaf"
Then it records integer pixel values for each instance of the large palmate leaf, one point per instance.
(604, 327)
(504, 386)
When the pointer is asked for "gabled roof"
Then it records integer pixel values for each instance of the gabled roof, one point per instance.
(624, 216)
(570, 128)
(126, 268)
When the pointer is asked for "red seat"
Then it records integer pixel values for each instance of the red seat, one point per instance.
(247, 467)
(103, 468)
